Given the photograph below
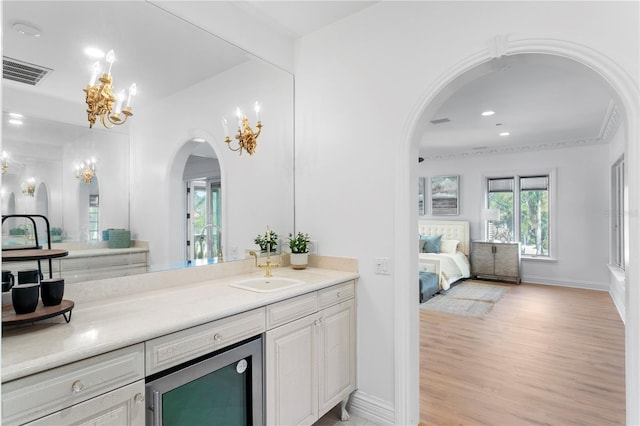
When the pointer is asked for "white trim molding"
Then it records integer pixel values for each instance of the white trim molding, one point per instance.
(371, 408)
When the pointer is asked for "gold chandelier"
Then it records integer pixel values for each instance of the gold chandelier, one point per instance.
(29, 187)
(87, 171)
(247, 138)
(4, 162)
(100, 98)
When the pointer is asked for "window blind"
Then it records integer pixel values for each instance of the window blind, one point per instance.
(501, 185)
(534, 183)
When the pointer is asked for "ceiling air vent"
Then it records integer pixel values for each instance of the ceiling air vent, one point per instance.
(440, 121)
(23, 72)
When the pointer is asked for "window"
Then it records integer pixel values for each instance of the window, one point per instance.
(523, 202)
(617, 213)
(93, 217)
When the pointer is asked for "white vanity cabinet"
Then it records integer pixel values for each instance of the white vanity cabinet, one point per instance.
(311, 361)
(102, 387)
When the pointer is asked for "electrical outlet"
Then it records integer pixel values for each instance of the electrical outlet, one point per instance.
(381, 265)
(313, 247)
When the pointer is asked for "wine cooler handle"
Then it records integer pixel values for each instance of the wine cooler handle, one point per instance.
(156, 408)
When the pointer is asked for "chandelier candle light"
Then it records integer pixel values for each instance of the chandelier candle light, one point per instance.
(247, 138)
(4, 161)
(100, 98)
(87, 171)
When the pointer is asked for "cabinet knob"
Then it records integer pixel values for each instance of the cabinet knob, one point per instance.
(339, 294)
(77, 386)
(317, 322)
(138, 399)
(217, 337)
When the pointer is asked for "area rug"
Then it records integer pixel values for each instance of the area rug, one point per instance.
(470, 298)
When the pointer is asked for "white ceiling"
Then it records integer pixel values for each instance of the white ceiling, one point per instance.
(295, 19)
(541, 103)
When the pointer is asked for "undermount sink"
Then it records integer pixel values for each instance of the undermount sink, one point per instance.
(266, 285)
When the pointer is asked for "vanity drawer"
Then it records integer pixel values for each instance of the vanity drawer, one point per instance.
(291, 309)
(182, 346)
(123, 406)
(44, 393)
(336, 294)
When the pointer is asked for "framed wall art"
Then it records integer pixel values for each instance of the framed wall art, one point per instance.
(445, 195)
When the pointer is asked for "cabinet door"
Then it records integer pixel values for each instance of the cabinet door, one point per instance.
(507, 260)
(337, 372)
(121, 407)
(291, 372)
(482, 258)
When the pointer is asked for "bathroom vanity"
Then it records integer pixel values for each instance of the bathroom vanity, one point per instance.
(95, 368)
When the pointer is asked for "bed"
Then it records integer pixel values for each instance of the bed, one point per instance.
(443, 254)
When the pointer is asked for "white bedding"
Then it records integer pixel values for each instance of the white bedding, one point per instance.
(452, 267)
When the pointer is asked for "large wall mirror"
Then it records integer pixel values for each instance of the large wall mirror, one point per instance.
(166, 175)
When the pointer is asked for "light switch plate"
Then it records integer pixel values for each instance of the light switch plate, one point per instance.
(381, 265)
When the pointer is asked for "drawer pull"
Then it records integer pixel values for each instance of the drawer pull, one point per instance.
(138, 399)
(217, 337)
(339, 294)
(77, 386)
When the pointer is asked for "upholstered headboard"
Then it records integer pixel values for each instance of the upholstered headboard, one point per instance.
(449, 229)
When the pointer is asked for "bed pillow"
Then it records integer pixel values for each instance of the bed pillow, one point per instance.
(449, 246)
(431, 243)
(420, 244)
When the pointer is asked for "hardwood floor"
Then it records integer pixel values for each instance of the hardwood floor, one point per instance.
(543, 356)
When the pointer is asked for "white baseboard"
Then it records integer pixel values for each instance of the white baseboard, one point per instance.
(617, 293)
(371, 408)
(586, 285)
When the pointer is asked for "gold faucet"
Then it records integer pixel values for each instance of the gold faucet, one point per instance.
(268, 265)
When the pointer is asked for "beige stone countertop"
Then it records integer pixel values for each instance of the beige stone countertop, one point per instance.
(102, 326)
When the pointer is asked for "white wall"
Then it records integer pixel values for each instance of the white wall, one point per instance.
(360, 85)
(581, 205)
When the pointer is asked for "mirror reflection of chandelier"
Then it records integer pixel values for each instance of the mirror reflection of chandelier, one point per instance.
(29, 187)
(247, 138)
(4, 162)
(100, 98)
(86, 171)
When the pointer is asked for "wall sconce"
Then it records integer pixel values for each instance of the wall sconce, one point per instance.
(100, 98)
(4, 161)
(247, 138)
(87, 171)
(490, 216)
(29, 187)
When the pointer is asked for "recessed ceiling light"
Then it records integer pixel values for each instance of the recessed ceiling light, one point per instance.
(15, 115)
(505, 134)
(488, 113)
(25, 29)
(94, 53)
(15, 122)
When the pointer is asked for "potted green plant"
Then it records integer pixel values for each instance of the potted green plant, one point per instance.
(299, 245)
(263, 240)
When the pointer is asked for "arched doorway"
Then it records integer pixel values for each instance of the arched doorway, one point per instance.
(407, 325)
(196, 161)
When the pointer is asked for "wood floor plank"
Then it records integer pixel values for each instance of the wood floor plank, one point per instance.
(544, 355)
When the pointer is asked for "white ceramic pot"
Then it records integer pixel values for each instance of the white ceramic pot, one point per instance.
(299, 260)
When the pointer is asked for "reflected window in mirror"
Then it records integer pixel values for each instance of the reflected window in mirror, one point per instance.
(94, 222)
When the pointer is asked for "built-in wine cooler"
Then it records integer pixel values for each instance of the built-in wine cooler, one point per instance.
(224, 388)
